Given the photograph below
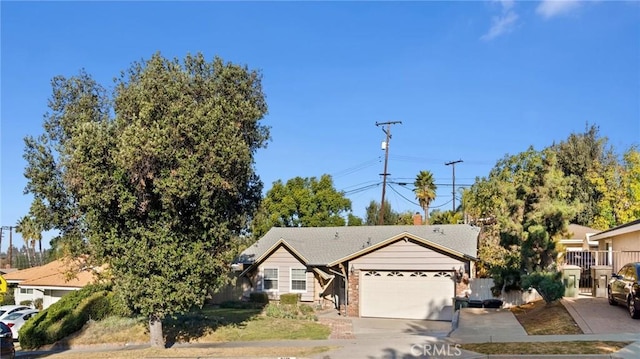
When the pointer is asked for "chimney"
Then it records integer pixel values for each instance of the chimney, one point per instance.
(417, 219)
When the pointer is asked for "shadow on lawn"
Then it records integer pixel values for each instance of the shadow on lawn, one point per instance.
(194, 325)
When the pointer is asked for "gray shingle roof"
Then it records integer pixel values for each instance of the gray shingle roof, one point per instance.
(323, 245)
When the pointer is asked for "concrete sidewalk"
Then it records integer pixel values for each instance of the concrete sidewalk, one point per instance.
(477, 325)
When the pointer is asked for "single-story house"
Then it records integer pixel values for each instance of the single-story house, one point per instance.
(579, 238)
(622, 243)
(50, 282)
(408, 271)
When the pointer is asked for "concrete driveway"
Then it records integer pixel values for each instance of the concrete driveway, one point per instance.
(380, 338)
(596, 316)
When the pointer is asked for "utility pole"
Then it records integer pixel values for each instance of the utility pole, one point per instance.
(453, 166)
(385, 147)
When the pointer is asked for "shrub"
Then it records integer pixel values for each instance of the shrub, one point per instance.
(37, 303)
(8, 298)
(27, 303)
(306, 309)
(259, 297)
(285, 311)
(65, 317)
(289, 298)
(290, 311)
(548, 284)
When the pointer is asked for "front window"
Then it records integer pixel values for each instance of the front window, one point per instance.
(26, 291)
(299, 280)
(270, 281)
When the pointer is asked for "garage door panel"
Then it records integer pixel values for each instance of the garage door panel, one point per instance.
(407, 295)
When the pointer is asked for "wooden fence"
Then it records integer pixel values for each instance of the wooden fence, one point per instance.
(481, 290)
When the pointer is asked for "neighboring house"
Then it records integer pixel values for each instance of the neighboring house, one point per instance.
(621, 242)
(50, 282)
(410, 271)
(579, 238)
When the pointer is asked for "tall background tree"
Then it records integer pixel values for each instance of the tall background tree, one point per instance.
(31, 233)
(157, 180)
(425, 190)
(302, 202)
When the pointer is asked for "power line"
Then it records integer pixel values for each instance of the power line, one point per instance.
(356, 168)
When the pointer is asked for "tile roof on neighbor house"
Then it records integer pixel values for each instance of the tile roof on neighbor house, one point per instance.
(52, 274)
(324, 245)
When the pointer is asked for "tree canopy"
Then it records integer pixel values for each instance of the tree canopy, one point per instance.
(155, 179)
(528, 199)
(425, 189)
(302, 202)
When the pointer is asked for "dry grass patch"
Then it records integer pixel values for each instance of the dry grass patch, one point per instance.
(540, 318)
(547, 348)
(112, 330)
(194, 353)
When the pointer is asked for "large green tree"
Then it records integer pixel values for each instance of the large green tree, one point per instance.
(526, 201)
(618, 185)
(302, 202)
(425, 189)
(157, 180)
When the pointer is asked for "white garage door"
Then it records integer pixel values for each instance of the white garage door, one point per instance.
(409, 295)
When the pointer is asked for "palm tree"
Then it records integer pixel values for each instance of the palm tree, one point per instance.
(31, 233)
(425, 190)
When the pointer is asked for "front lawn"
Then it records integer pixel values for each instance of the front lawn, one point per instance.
(206, 325)
(547, 348)
(540, 318)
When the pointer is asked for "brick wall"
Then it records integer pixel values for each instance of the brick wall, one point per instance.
(353, 287)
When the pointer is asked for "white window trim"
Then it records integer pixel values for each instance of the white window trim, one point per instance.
(291, 280)
(264, 278)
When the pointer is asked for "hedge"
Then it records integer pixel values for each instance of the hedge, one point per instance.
(66, 316)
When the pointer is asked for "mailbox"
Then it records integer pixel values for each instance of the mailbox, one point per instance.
(600, 276)
(571, 280)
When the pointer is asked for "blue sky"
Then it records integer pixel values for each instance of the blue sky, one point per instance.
(472, 80)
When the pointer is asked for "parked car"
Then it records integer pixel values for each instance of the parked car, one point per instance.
(7, 350)
(8, 309)
(16, 320)
(624, 288)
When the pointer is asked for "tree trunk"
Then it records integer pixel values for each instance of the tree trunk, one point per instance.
(155, 332)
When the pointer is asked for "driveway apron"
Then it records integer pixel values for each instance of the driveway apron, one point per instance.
(596, 316)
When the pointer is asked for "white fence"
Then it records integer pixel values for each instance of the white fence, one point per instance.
(481, 290)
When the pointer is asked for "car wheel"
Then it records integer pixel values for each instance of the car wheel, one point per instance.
(633, 312)
(610, 297)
